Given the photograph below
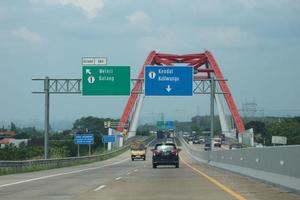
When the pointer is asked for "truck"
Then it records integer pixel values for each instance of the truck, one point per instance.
(138, 151)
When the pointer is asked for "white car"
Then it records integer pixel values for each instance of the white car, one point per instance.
(217, 142)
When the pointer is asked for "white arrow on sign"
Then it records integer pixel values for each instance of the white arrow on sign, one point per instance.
(168, 88)
(88, 71)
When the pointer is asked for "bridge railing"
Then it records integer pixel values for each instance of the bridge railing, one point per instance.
(8, 167)
(278, 165)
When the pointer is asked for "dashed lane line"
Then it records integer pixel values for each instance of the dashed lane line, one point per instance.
(61, 174)
(99, 188)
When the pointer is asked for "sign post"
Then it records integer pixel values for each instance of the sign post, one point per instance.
(280, 140)
(83, 139)
(109, 139)
(46, 123)
(168, 81)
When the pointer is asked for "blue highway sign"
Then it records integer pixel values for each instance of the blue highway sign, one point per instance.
(84, 139)
(169, 124)
(168, 81)
(108, 138)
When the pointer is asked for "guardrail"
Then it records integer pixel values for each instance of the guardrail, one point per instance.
(277, 165)
(9, 167)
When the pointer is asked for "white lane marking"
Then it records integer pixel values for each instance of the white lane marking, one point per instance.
(118, 178)
(99, 188)
(129, 173)
(136, 170)
(61, 174)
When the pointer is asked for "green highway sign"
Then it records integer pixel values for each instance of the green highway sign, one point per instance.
(105, 80)
(160, 124)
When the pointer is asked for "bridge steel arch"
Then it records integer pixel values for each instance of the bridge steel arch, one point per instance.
(205, 66)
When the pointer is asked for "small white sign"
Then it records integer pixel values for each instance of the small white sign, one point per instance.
(88, 61)
(279, 140)
(93, 61)
(100, 61)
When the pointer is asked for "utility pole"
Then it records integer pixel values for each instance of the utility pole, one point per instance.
(198, 117)
(162, 117)
(46, 123)
(212, 112)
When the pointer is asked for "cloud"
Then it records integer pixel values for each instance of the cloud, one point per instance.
(90, 7)
(164, 41)
(170, 39)
(25, 34)
(249, 3)
(252, 4)
(140, 19)
(3, 14)
(222, 36)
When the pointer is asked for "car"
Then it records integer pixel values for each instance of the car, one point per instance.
(138, 151)
(217, 142)
(207, 147)
(165, 154)
(185, 134)
(202, 140)
(196, 141)
(235, 146)
(169, 140)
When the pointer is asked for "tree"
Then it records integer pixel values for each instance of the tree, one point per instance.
(259, 129)
(3, 128)
(289, 127)
(203, 123)
(94, 125)
(13, 126)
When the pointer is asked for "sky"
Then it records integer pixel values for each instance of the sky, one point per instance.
(256, 43)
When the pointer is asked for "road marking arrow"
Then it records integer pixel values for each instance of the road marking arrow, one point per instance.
(168, 88)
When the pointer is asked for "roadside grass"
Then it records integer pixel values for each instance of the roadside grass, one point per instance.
(61, 163)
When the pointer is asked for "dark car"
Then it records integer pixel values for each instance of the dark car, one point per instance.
(235, 146)
(165, 154)
(207, 147)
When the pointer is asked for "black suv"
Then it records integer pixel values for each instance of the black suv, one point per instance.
(165, 154)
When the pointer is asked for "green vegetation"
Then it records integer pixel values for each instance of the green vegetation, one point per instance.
(61, 144)
(11, 152)
(265, 129)
(58, 164)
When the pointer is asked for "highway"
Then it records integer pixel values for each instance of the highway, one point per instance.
(120, 178)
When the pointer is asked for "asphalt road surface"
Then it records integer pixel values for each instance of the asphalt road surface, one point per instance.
(120, 178)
